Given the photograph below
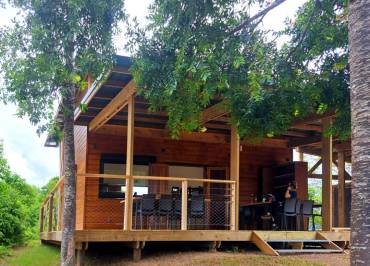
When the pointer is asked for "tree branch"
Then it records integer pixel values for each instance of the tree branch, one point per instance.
(262, 13)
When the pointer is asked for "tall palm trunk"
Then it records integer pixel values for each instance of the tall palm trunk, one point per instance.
(69, 210)
(359, 40)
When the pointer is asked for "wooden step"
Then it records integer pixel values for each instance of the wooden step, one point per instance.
(298, 241)
(291, 251)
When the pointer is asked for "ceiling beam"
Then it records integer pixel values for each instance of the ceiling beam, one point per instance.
(117, 103)
(304, 141)
(207, 137)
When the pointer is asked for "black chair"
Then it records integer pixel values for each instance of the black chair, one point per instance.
(307, 212)
(299, 220)
(147, 208)
(177, 210)
(165, 208)
(290, 206)
(197, 209)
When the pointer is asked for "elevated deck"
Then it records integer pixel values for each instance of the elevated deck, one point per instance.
(83, 236)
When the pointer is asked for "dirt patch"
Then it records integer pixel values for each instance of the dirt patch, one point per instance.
(188, 258)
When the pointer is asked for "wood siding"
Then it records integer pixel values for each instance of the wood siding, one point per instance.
(108, 213)
(80, 154)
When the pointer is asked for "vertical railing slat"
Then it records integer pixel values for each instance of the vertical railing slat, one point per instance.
(184, 205)
(51, 203)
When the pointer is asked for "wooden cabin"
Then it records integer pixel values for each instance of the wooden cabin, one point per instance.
(134, 181)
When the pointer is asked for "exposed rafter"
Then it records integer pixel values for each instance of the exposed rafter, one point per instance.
(118, 102)
(304, 141)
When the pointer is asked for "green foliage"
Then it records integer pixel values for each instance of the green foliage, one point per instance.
(189, 46)
(19, 207)
(50, 48)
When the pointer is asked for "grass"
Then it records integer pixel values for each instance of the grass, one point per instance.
(258, 261)
(34, 254)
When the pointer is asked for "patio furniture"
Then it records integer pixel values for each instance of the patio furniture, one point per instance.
(290, 206)
(197, 209)
(307, 212)
(165, 208)
(147, 209)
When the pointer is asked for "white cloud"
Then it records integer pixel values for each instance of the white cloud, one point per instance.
(25, 150)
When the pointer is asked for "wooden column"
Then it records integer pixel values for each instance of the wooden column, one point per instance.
(41, 219)
(50, 222)
(184, 205)
(300, 154)
(234, 174)
(127, 219)
(327, 190)
(341, 189)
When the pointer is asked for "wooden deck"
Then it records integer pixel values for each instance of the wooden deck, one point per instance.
(190, 235)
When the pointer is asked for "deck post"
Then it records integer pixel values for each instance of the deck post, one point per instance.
(127, 219)
(41, 219)
(341, 189)
(50, 222)
(184, 205)
(81, 248)
(234, 175)
(327, 190)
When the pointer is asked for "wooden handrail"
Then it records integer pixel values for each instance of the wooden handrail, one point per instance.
(168, 178)
(52, 191)
(104, 176)
(163, 178)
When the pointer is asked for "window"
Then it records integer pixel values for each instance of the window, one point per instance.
(187, 172)
(115, 188)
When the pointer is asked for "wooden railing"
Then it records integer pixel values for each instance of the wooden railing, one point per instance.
(226, 205)
(219, 207)
(51, 209)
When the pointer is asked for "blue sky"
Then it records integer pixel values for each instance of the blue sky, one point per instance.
(25, 150)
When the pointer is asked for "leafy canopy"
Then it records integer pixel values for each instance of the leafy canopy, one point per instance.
(51, 47)
(188, 56)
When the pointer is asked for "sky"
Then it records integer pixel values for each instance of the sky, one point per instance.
(25, 150)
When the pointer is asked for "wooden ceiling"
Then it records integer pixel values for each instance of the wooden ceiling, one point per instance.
(305, 133)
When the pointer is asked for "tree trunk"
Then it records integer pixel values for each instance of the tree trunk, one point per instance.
(69, 210)
(359, 41)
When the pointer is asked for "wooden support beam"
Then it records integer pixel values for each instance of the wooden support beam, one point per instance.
(304, 141)
(50, 222)
(307, 127)
(117, 104)
(327, 190)
(262, 244)
(346, 174)
(184, 205)
(234, 173)
(341, 189)
(154, 133)
(214, 245)
(214, 112)
(127, 225)
(314, 167)
(81, 248)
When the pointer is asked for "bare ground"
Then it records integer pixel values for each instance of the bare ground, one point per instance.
(186, 257)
